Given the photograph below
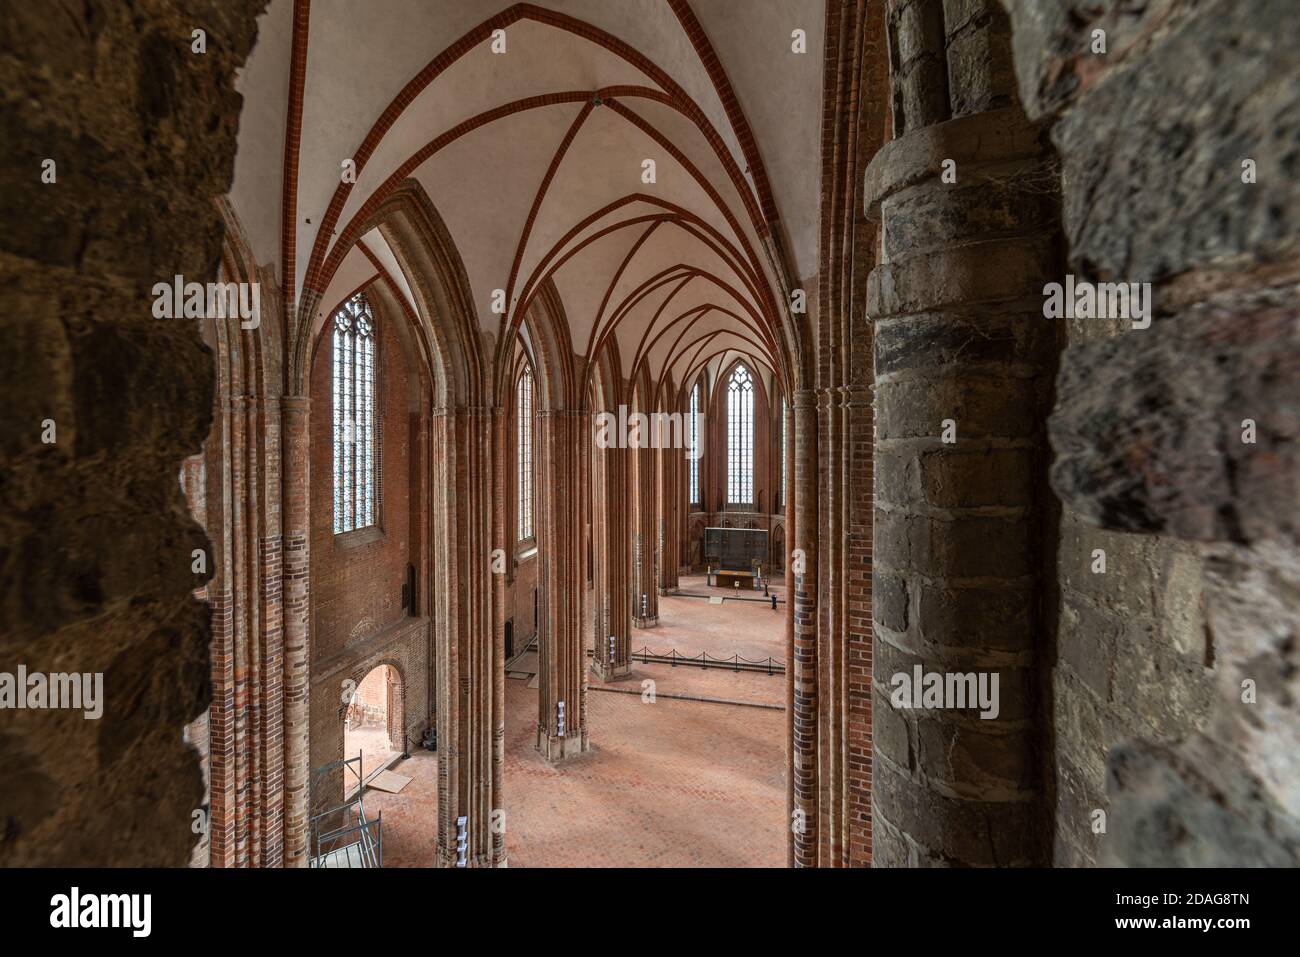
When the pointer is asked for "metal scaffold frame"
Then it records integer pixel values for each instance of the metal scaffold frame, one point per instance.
(358, 841)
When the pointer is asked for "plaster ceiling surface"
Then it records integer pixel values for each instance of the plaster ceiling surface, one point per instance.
(781, 92)
(535, 157)
(378, 247)
(259, 160)
(355, 272)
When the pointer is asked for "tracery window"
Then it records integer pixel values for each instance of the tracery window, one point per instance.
(524, 425)
(694, 460)
(740, 437)
(356, 437)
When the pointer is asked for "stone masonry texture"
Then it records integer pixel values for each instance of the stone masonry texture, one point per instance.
(96, 560)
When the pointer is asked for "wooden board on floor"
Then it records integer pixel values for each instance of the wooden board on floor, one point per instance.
(389, 781)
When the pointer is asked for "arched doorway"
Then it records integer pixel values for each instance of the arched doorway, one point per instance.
(373, 722)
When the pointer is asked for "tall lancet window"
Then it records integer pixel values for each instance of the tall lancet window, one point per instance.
(785, 424)
(524, 456)
(740, 437)
(694, 460)
(356, 437)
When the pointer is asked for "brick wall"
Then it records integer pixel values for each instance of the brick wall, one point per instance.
(520, 597)
(358, 620)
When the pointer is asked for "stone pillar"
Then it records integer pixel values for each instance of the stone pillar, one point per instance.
(559, 438)
(962, 359)
(803, 662)
(296, 445)
(611, 527)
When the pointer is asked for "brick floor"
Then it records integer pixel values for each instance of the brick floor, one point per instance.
(750, 629)
(373, 744)
(673, 783)
(714, 683)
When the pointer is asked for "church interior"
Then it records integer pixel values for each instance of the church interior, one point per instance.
(650, 433)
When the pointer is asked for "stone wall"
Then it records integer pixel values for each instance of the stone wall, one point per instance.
(96, 562)
(962, 366)
(1159, 657)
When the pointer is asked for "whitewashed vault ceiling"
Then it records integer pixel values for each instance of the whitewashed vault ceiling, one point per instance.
(535, 158)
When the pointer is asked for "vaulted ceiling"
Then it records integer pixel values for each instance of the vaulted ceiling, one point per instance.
(536, 157)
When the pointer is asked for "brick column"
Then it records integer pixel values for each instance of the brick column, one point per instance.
(670, 495)
(787, 436)
(613, 592)
(296, 477)
(465, 643)
(559, 438)
(644, 539)
(962, 353)
(803, 663)
(222, 791)
(501, 539)
(855, 76)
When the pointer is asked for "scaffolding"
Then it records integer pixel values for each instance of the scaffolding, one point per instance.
(343, 836)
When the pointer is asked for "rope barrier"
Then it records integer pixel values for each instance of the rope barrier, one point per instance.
(706, 660)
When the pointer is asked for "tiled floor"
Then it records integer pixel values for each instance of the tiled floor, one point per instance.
(673, 783)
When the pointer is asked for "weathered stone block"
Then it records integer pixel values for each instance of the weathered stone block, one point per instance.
(994, 617)
(997, 270)
(897, 477)
(989, 337)
(1168, 195)
(889, 601)
(1053, 44)
(1166, 812)
(891, 732)
(1077, 800)
(1124, 588)
(980, 407)
(919, 82)
(1149, 427)
(954, 478)
(1016, 684)
(1168, 695)
(1086, 639)
(984, 203)
(980, 72)
(975, 761)
(958, 832)
(1084, 729)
